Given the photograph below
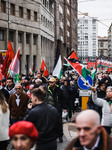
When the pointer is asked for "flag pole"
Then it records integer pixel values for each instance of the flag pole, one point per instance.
(87, 83)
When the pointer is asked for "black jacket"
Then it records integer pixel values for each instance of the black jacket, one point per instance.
(68, 96)
(57, 95)
(46, 119)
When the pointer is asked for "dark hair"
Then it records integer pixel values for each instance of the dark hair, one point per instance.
(10, 78)
(4, 105)
(38, 93)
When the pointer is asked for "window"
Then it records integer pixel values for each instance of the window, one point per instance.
(12, 9)
(21, 12)
(35, 16)
(11, 36)
(94, 53)
(19, 37)
(28, 14)
(101, 44)
(1, 35)
(27, 38)
(3, 6)
(34, 39)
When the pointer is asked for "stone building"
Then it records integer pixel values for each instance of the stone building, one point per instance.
(65, 26)
(102, 46)
(29, 24)
(110, 42)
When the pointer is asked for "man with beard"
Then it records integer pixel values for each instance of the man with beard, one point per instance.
(57, 95)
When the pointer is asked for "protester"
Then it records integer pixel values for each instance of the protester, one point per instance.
(106, 105)
(3, 82)
(45, 118)
(18, 104)
(68, 97)
(39, 76)
(91, 135)
(38, 82)
(101, 93)
(47, 97)
(30, 89)
(10, 85)
(57, 94)
(4, 122)
(23, 135)
(5, 93)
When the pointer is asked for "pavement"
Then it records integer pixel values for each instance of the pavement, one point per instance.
(69, 130)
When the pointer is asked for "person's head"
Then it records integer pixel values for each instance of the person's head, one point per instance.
(31, 87)
(37, 96)
(3, 104)
(43, 89)
(88, 127)
(9, 82)
(39, 76)
(102, 85)
(38, 82)
(52, 82)
(109, 92)
(3, 82)
(23, 135)
(66, 82)
(18, 89)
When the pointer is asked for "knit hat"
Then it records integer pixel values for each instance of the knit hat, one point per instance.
(24, 127)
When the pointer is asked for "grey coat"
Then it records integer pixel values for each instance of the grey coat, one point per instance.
(106, 111)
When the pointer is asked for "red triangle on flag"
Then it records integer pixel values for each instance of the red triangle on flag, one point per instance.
(73, 55)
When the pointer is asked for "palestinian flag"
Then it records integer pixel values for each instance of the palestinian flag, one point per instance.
(57, 71)
(77, 66)
(58, 68)
(14, 67)
(31, 71)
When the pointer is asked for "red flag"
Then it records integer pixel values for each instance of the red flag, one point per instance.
(108, 70)
(9, 57)
(44, 69)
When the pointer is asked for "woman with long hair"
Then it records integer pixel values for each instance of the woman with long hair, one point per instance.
(106, 105)
(4, 122)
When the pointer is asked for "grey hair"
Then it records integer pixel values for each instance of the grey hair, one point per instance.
(109, 87)
(38, 80)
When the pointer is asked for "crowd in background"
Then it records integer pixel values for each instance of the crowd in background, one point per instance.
(18, 102)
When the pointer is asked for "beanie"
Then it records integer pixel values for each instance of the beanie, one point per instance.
(24, 127)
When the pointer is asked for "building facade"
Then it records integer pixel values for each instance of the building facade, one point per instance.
(102, 46)
(65, 26)
(110, 42)
(87, 37)
(29, 24)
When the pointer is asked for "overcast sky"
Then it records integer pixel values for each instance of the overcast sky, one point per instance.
(102, 9)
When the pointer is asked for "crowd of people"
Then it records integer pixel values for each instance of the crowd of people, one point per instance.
(37, 103)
